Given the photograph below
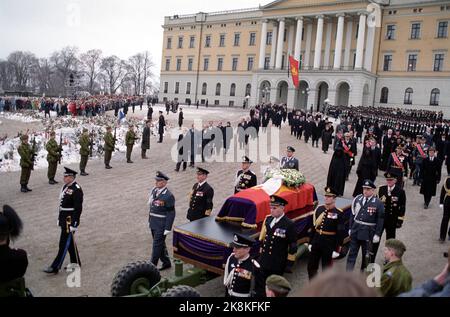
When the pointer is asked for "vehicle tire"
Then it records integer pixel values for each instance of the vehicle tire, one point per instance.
(181, 291)
(128, 279)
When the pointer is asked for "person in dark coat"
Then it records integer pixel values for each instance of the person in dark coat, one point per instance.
(337, 172)
(180, 118)
(13, 262)
(161, 126)
(327, 136)
(388, 147)
(201, 198)
(150, 113)
(227, 136)
(309, 126)
(431, 176)
(146, 140)
(445, 205)
(367, 169)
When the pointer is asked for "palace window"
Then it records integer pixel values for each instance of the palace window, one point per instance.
(415, 31)
(384, 95)
(178, 64)
(435, 94)
(190, 63)
(412, 62)
(169, 43)
(235, 64)
(438, 62)
(408, 96)
(250, 63)
(204, 89)
(252, 39)
(188, 88)
(387, 63)
(237, 39)
(222, 40)
(390, 32)
(218, 88)
(233, 90)
(192, 42)
(220, 64)
(442, 29)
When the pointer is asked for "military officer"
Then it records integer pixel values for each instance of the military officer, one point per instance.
(366, 224)
(84, 151)
(53, 156)
(201, 198)
(161, 218)
(328, 232)
(245, 178)
(396, 278)
(239, 269)
(26, 163)
(394, 199)
(130, 139)
(70, 208)
(110, 144)
(289, 161)
(278, 245)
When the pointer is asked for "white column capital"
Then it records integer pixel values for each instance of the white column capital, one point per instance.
(281, 19)
(301, 18)
(362, 13)
(320, 16)
(265, 21)
(340, 15)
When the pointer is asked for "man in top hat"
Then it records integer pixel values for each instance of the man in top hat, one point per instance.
(245, 178)
(396, 278)
(161, 218)
(278, 245)
(53, 156)
(161, 126)
(110, 145)
(394, 199)
(431, 176)
(289, 161)
(239, 269)
(201, 197)
(84, 151)
(70, 208)
(277, 286)
(26, 163)
(366, 224)
(327, 235)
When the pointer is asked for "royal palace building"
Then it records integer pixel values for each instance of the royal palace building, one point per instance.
(351, 52)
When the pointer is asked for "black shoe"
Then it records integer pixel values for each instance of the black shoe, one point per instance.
(55, 182)
(51, 270)
(84, 174)
(441, 241)
(108, 167)
(23, 189)
(51, 182)
(28, 189)
(165, 267)
(425, 206)
(130, 162)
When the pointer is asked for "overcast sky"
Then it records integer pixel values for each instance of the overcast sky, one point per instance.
(119, 27)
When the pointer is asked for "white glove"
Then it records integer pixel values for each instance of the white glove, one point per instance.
(441, 206)
(349, 232)
(335, 255)
(376, 239)
(166, 232)
(309, 247)
(73, 229)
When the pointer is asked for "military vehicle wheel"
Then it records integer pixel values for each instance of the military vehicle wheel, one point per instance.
(181, 291)
(134, 277)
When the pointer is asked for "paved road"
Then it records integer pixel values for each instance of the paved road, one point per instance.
(114, 228)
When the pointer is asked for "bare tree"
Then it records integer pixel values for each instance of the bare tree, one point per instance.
(6, 75)
(91, 62)
(66, 63)
(21, 64)
(148, 73)
(115, 71)
(44, 76)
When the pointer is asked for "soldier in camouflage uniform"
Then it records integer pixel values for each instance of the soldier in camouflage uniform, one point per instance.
(26, 163)
(54, 153)
(84, 151)
(130, 138)
(110, 144)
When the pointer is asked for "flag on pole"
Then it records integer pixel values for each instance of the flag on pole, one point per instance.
(294, 65)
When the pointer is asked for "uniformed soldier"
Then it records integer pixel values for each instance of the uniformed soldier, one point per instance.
(53, 156)
(84, 151)
(278, 245)
(239, 269)
(398, 164)
(327, 233)
(110, 145)
(161, 218)
(70, 208)
(445, 205)
(394, 199)
(366, 224)
(130, 139)
(245, 178)
(201, 198)
(277, 286)
(289, 161)
(13, 262)
(26, 163)
(396, 278)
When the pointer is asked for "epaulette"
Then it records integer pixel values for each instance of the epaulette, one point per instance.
(77, 186)
(339, 209)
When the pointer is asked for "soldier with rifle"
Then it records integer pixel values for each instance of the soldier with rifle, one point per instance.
(130, 139)
(110, 143)
(84, 151)
(27, 157)
(53, 157)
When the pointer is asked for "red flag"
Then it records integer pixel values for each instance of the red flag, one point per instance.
(294, 70)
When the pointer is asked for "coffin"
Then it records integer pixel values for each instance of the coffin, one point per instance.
(205, 243)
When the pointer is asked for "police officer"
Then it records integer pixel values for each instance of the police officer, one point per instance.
(245, 178)
(26, 163)
(396, 278)
(84, 151)
(328, 232)
(70, 208)
(201, 197)
(239, 269)
(394, 199)
(130, 139)
(13, 262)
(161, 218)
(366, 224)
(289, 161)
(278, 245)
(53, 156)
(110, 144)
